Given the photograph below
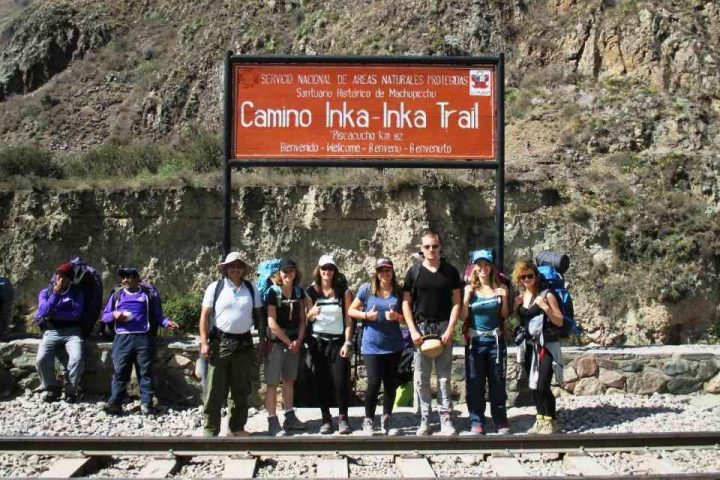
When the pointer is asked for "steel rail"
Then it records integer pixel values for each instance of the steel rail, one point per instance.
(184, 446)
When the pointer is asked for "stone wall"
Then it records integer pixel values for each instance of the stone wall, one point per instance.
(588, 371)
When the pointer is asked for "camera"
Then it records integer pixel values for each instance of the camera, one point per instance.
(520, 334)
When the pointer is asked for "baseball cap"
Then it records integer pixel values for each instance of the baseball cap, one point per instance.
(326, 260)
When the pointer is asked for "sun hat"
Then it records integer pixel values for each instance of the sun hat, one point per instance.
(232, 257)
(326, 260)
(383, 262)
(432, 346)
(484, 254)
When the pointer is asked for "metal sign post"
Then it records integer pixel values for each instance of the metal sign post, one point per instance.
(391, 112)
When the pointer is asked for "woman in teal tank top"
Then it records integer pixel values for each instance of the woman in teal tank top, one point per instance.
(484, 310)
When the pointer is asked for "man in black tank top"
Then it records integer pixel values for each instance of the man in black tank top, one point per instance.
(431, 305)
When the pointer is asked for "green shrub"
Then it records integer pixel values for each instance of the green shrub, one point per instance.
(26, 160)
(185, 311)
(112, 160)
(201, 151)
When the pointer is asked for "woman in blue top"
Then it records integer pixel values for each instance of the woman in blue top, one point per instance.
(378, 305)
(484, 310)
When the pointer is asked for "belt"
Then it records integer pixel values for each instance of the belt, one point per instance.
(216, 332)
(496, 332)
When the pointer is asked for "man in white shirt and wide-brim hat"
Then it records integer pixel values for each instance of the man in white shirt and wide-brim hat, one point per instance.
(230, 308)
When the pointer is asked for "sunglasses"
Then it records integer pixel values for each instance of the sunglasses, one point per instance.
(327, 267)
(384, 270)
(528, 276)
(287, 270)
(434, 246)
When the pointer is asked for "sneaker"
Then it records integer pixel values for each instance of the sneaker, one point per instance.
(147, 409)
(424, 428)
(292, 422)
(385, 426)
(274, 428)
(503, 429)
(327, 427)
(343, 425)
(446, 425)
(113, 408)
(549, 426)
(368, 426)
(477, 429)
(51, 395)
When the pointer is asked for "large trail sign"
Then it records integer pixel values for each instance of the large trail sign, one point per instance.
(363, 111)
(416, 112)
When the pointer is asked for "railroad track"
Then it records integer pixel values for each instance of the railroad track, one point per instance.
(508, 456)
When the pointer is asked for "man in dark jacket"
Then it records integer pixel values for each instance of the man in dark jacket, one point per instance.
(136, 311)
(59, 314)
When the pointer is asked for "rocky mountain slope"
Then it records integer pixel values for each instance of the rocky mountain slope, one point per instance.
(612, 143)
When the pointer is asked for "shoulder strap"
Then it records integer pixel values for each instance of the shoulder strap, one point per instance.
(415, 274)
(251, 289)
(277, 290)
(115, 294)
(218, 290)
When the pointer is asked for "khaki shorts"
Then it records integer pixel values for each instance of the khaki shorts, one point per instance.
(281, 364)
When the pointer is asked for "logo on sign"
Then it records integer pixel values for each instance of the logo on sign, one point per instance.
(480, 83)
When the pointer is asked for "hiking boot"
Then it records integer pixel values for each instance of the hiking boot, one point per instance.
(446, 425)
(51, 395)
(113, 408)
(368, 426)
(71, 397)
(424, 428)
(477, 429)
(326, 428)
(548, 426)
(147, 409)
(539, 420)
(292, 422)
(343, 425)
(274, 428)
(385, 426)
(502, 429)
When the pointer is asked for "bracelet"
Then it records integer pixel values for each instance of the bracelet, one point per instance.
(365, 315)
(347, 343)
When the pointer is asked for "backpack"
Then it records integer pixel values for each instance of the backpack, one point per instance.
(265, 271)
(153, 296)
(549, 267)
(6, 300)
(88, 280)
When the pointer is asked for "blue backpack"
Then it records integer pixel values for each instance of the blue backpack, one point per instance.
(553, 281)
(265, 271)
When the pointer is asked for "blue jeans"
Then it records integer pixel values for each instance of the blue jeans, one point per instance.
(70, 338)
(481, 366)
(132, 349)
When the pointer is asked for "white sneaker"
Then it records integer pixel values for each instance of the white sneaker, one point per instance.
(368, 426)
(424, 428)
(446, 425)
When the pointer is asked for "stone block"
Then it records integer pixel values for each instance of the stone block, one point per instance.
(179, 361)
(26, 361)
(677, 367)
(97, 383)
(611, 378)
(713, 385)
(589, 386)
(614, 391)
(647, 382)
(18, 372)
(586, 367)
(570, 386)
(31, 382)
(569, 375)
(607, 364)
(632, 367)
(98, 361)
(8, 351)
(682, 385)
(706, 369)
